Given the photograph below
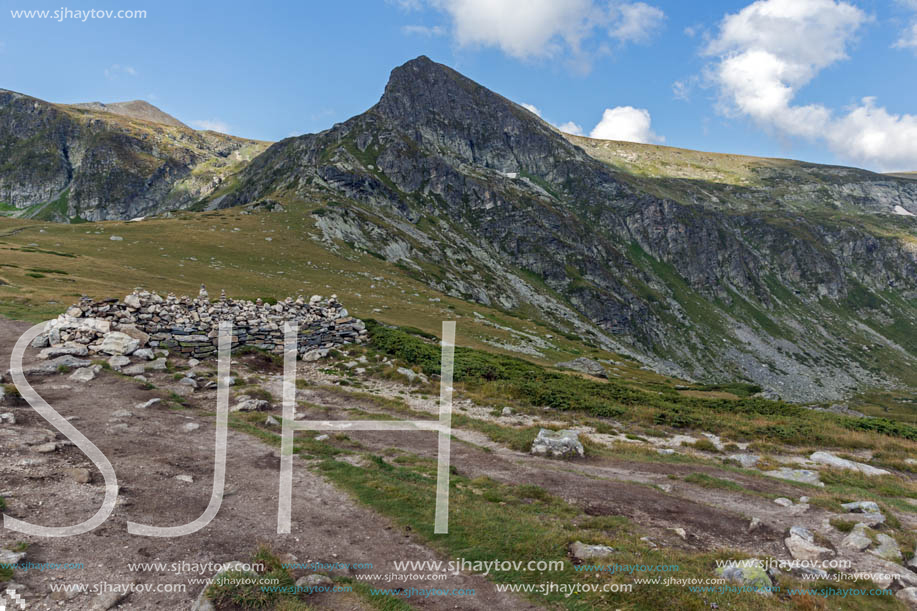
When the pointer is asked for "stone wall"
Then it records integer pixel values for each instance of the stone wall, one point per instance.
(190, 327)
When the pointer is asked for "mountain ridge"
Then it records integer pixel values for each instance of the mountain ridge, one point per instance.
(489, 203)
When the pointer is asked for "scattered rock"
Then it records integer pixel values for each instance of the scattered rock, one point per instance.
(748, 461)
(804, 476)
(680, 532)
(191, 382)
(858, 538)
(190, 427)
(321, 437)
(584, 365)
(827, 458)
(314, 581)
(251, 405)
(83, 374)
(118, 361)
(147, 404)
(750, 576)
(46, 448)
(754, 525)
(144, 353)
(908, 596)
(271, 421)
(862, 507)
(412, 375)
(79, 475)
(583, 551)
(783, 502)
(107, 600)
(7, 418)
(563, 444)
(887, 548)
(69, 348)
(315, 354)
(193, 362)
(665, 451)
(11, 557)
(185, 478)
(51, 366)
(506, 412)
(801, 545)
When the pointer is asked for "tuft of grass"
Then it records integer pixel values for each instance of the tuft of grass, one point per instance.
(708, 481)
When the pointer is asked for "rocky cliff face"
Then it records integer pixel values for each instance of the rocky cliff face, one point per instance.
(485, 201)
(97, 162)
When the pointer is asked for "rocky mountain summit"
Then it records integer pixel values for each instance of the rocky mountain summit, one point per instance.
(803, 291)
(107, 161)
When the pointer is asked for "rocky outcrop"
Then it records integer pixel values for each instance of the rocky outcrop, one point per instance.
(190, 327)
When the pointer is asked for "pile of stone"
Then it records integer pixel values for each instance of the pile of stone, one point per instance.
(190, 327)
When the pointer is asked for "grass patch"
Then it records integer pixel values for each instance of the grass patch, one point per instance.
(708, 481)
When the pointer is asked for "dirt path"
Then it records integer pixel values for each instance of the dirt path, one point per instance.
(149, 449)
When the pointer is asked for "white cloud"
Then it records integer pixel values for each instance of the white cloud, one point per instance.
(540, 29)
(637, 22)
(116, 70)
(626, 123)
(531, 108)
(771, 49)
(570, 128)
(211, 124)
(908, 38)
(423, 30)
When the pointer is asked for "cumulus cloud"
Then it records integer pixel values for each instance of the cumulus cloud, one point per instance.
(211, 124)
(908, 38)
(626, 123)
(768, 51)
(539, 29)
(570, 128)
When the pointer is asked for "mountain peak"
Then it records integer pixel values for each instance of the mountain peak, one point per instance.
(135, 109)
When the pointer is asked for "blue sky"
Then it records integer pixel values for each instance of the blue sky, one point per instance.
(819, 80)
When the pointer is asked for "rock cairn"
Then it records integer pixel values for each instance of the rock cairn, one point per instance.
(190, 327)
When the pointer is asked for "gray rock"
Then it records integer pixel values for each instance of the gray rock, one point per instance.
(190, 427)
(63, 350)
(117, 342)
(801, 545)
(40, 341)
(783, 502)
(412, 375)
(322, 437)
(829, 459)
(858, 538)
(750, 576)
(11, 557)
(271, 421)
(251, 405)
(862, 507)
(157, 365)
(887, 548)
(314, 355)
(84, 374)
(583, 551)
(134, 370)
(562, 444)
(802, 532)
(804, 476)
(147, 404)
(506, 412)
(144, 353)
(584, 365)
(7, 418)
(748, 461)
(188, 479)
(118, 361)
(193, 362)
(190, 382)
(908, 596)
(51, 366)
(314, 581)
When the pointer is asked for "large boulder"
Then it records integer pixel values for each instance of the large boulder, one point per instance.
(858, 538)
(753, 576)
(560, 444)
(584, 551)
(802, 546)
